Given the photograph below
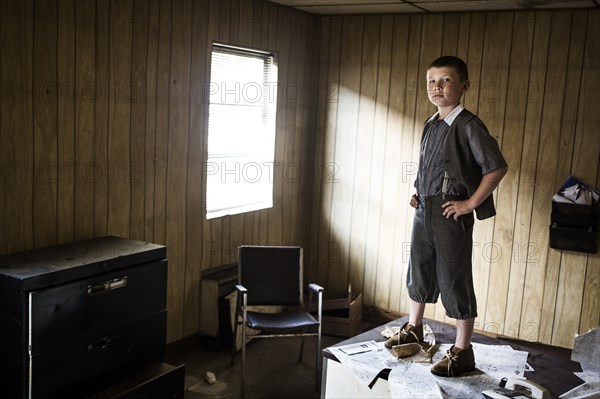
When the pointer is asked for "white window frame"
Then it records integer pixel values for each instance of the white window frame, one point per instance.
(242, 107)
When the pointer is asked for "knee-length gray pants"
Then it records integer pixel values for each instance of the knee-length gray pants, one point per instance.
(441, 259)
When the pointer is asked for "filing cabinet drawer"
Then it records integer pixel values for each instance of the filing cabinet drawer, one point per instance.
(98, 360)
(66, 312)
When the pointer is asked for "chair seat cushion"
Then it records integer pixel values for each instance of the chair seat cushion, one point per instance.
(281, 322)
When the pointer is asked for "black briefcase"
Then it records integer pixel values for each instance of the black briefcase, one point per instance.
(574, 227)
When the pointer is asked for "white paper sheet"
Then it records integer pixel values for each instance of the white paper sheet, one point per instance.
(496, 360)
(413, 380)
(364, 359)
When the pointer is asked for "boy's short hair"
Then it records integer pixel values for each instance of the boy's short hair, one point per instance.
(454, 62)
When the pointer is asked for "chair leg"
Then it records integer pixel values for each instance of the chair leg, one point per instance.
(301, 350)
(234, 343)
(318, 363)
(243, 371)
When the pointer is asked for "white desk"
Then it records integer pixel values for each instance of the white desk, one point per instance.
(553, 366)
(338, 382)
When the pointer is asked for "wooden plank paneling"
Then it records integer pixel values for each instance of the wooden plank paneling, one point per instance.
(393, 185)
(376, 213)
(85, 99)
(100, 149)
(177, 159)
(409, 157)
(284, 107)
(119, 118)
(549, 146)
(514, 123)
(65, 97)
(103, 128)
(290, 103)
(211, 252)
(345, 153)
(194, 204)
(139, 65)
(151, 103)
(363, 236)
(492, 275)
(571, 289)
(329, 175)
(222, 226)
(45, 125)
(16, 127)
(162, 113)
(530, 248)
(303, 154)
(317, 236)
(535, 110)
(568, 130)
(553, 133)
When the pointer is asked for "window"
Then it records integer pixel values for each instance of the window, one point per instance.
(241, 131)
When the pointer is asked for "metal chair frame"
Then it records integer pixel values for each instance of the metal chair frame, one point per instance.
(241, 317)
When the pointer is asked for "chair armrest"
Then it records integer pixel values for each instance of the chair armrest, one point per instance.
(241, 289)
(315, 288)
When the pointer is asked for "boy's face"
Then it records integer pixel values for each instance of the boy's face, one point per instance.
(444, 86)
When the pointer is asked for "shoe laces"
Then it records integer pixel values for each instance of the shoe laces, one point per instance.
(405, 333)
(452, 358)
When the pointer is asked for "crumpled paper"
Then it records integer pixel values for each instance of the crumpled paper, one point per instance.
(586, 351)
(414, 353)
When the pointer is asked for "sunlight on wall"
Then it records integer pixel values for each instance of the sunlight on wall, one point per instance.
(365, 214)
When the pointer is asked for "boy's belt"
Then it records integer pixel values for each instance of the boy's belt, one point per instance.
(449, 197)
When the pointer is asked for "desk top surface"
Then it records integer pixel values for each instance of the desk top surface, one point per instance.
(553, 366)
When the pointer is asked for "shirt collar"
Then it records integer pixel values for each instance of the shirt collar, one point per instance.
(450, 117)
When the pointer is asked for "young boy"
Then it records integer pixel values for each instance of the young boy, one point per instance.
(460, 165)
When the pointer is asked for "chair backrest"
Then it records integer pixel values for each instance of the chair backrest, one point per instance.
(272, 274)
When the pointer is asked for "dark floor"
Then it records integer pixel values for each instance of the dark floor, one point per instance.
(272, 369)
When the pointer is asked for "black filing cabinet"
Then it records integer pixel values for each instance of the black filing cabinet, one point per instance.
(78, 318)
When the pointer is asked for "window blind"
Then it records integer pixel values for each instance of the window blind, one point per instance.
(241, 131)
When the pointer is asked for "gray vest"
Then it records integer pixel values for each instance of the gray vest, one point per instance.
(465, 173)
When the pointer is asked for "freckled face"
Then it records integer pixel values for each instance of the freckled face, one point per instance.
(444, 86)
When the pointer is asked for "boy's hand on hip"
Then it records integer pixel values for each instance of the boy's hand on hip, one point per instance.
(414, 201)
(456, 208)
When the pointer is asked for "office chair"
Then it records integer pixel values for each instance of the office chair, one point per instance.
(272, 276)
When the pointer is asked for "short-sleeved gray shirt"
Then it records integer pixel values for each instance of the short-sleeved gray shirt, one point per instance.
(483, 146)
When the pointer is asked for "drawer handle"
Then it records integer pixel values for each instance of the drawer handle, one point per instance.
(107, 286)
(105, 342)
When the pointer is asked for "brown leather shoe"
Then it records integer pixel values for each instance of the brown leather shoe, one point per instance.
(455, 362)
(408, 333)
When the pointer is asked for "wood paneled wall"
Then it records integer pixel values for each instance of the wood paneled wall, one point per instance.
(531, 75)
(103, 121)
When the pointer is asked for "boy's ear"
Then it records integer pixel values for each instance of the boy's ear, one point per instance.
(466, 85)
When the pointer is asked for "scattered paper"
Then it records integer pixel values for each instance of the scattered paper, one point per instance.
(589, 389)
(587, 352)
(364, 365)
(414, 380)
(360, 347)
(468, 385)
(500, 360)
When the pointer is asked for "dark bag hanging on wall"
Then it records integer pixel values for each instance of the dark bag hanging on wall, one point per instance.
(575, 217)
